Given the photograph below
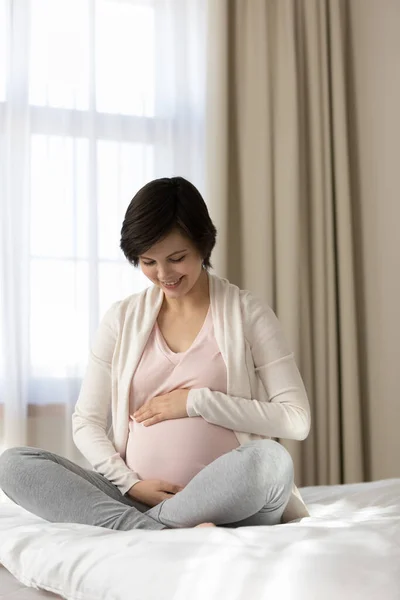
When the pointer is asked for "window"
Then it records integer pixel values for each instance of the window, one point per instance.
(87, 77)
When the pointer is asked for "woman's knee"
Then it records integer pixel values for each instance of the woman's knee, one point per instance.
(9, 455)
(10, 460)
(7, 463)
(269, 459)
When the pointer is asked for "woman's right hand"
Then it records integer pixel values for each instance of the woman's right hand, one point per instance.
(153, 491)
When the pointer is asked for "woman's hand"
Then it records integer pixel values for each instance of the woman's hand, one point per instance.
(162, 408)
(153, 491)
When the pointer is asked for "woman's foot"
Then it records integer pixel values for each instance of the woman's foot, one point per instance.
(201, 525)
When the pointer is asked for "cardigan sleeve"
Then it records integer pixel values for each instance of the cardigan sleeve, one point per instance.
(281, 408)
(89, 420)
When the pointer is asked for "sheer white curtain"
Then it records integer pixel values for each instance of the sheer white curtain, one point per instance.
(97, 97)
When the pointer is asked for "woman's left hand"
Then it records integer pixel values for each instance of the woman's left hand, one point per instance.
(162, 408)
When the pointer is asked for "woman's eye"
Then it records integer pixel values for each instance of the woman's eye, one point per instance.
(174, 260)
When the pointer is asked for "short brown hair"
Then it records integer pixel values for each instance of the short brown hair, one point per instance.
(161, 206)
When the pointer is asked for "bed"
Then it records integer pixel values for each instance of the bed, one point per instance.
(348, 549)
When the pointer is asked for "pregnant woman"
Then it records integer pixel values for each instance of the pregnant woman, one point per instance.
(198, 379)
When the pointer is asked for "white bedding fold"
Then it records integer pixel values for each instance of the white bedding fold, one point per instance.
(349, 549)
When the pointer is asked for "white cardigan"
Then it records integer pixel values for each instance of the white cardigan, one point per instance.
(265, 396)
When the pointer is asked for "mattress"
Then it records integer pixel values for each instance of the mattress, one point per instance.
(349, 548)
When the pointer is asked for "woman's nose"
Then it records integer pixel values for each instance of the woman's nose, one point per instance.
(163, 274)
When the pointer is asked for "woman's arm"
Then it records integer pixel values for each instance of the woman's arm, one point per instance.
(281, 408)
(89, 421)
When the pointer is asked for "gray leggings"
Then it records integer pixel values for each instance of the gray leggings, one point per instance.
(249, 485)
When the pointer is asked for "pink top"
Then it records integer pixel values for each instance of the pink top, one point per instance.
(177, 449)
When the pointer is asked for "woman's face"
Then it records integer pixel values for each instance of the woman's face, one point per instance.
(174, 264)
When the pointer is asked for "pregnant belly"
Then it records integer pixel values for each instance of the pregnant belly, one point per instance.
(177, 449)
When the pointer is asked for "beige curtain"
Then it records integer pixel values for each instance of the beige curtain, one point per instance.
(374, 78)
(280, 189)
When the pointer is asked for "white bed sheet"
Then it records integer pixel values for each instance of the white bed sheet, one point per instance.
(349, 549)
(12, 589)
